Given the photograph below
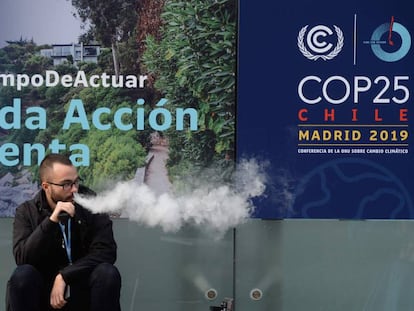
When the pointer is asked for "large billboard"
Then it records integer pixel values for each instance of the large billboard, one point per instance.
(323, 95)
(325, 90)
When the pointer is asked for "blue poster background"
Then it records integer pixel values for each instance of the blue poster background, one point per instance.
(347, 183)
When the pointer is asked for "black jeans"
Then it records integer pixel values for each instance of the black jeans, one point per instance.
(27, 290)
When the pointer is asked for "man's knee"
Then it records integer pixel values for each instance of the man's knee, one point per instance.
(106, 275)
(25, 276)
(24, 288)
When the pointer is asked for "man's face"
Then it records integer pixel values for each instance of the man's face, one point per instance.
(62, 183)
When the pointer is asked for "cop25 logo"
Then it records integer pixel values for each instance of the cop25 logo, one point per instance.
(319, 42)
(390, 42)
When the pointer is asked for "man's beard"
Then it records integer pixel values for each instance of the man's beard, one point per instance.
(56, 198)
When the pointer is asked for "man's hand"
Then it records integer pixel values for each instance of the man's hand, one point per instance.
(61, 206)
(57, 300)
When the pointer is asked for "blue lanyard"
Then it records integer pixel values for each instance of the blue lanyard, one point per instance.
(67, 239)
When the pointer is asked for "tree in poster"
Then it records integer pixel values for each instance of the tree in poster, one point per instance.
(194, 65)
(111, 21)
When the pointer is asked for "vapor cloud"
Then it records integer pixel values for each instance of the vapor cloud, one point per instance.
(213, 206)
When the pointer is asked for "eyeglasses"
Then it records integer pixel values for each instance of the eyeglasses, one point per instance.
(67, 185)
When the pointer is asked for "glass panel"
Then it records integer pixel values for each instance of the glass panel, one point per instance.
(259, 266)
(174, 272)
(325, 265)
(7, 263)
(280, 265)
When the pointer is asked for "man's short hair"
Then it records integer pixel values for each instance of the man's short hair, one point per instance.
(49, 160)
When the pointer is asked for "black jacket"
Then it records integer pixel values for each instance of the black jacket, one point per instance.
(39, 242)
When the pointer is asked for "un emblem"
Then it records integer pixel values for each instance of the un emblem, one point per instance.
(317, 44)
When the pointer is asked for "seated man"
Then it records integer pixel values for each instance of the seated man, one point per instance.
(65, 254)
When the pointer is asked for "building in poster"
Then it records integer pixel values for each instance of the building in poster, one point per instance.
(79, 52)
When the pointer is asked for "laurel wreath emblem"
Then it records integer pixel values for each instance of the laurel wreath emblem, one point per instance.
(331, 55)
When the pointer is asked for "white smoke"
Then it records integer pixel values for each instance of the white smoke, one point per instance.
(214, 207)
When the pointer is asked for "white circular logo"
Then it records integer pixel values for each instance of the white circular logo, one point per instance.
(317, 44)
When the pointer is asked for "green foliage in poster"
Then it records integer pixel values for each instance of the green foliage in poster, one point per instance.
(194, 65)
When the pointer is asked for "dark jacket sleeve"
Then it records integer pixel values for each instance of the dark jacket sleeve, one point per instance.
(101, 248)
(31, 242)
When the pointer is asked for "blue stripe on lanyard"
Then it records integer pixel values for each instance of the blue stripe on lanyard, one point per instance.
(67, 239)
